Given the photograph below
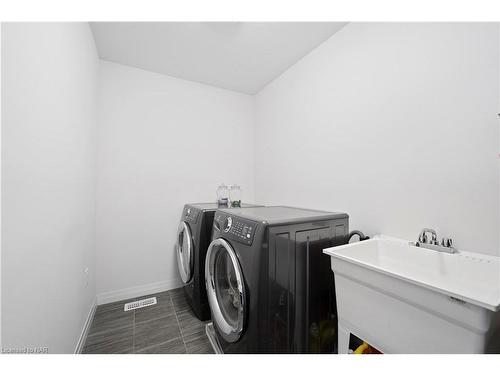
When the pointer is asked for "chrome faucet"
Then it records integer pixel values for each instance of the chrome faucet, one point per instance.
(445, 246)
(422, 238)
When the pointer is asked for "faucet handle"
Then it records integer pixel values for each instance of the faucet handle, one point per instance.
(422, 238)
(446, 242)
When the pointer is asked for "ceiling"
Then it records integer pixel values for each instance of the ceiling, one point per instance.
(239, 56)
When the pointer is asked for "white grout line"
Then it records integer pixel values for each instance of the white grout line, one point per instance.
(178, 324)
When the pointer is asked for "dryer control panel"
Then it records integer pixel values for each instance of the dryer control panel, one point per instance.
(190, 214)
(235, 228)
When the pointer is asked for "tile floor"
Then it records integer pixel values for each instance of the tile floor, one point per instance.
(168, 327)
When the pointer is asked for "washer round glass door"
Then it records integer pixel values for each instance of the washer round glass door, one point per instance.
(184, 250)
(225, 290)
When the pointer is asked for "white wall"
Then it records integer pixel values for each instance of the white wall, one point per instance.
(162, 142)
(394, 124)
(49, 89)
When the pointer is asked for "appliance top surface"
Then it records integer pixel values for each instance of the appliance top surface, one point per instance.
(283, 215)
(214, 206)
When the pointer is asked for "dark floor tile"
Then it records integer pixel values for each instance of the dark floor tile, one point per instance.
(110, 342)
(179, 300)
(155, 332)
(193, 333)
(200, 346)
(183, 306)
(186, 314)
(163, 307)
(170, 326)
(191, 327)
(174, 346)
(176, 291)
(180, 306)
(110, 319)
(187, 317)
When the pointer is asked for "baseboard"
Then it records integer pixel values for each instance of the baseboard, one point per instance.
(137, 291)
(86, 327)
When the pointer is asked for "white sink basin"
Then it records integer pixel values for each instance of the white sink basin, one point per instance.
(406, 299)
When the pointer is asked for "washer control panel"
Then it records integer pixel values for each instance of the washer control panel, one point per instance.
(190, 214)
(235, 228)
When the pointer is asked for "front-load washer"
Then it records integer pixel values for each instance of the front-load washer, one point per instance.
(269, 285)
(193, 237)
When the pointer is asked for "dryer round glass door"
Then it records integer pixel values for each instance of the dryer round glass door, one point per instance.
(184, 250)
(225, 290)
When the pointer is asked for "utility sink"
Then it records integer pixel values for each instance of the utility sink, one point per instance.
(406, 299)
